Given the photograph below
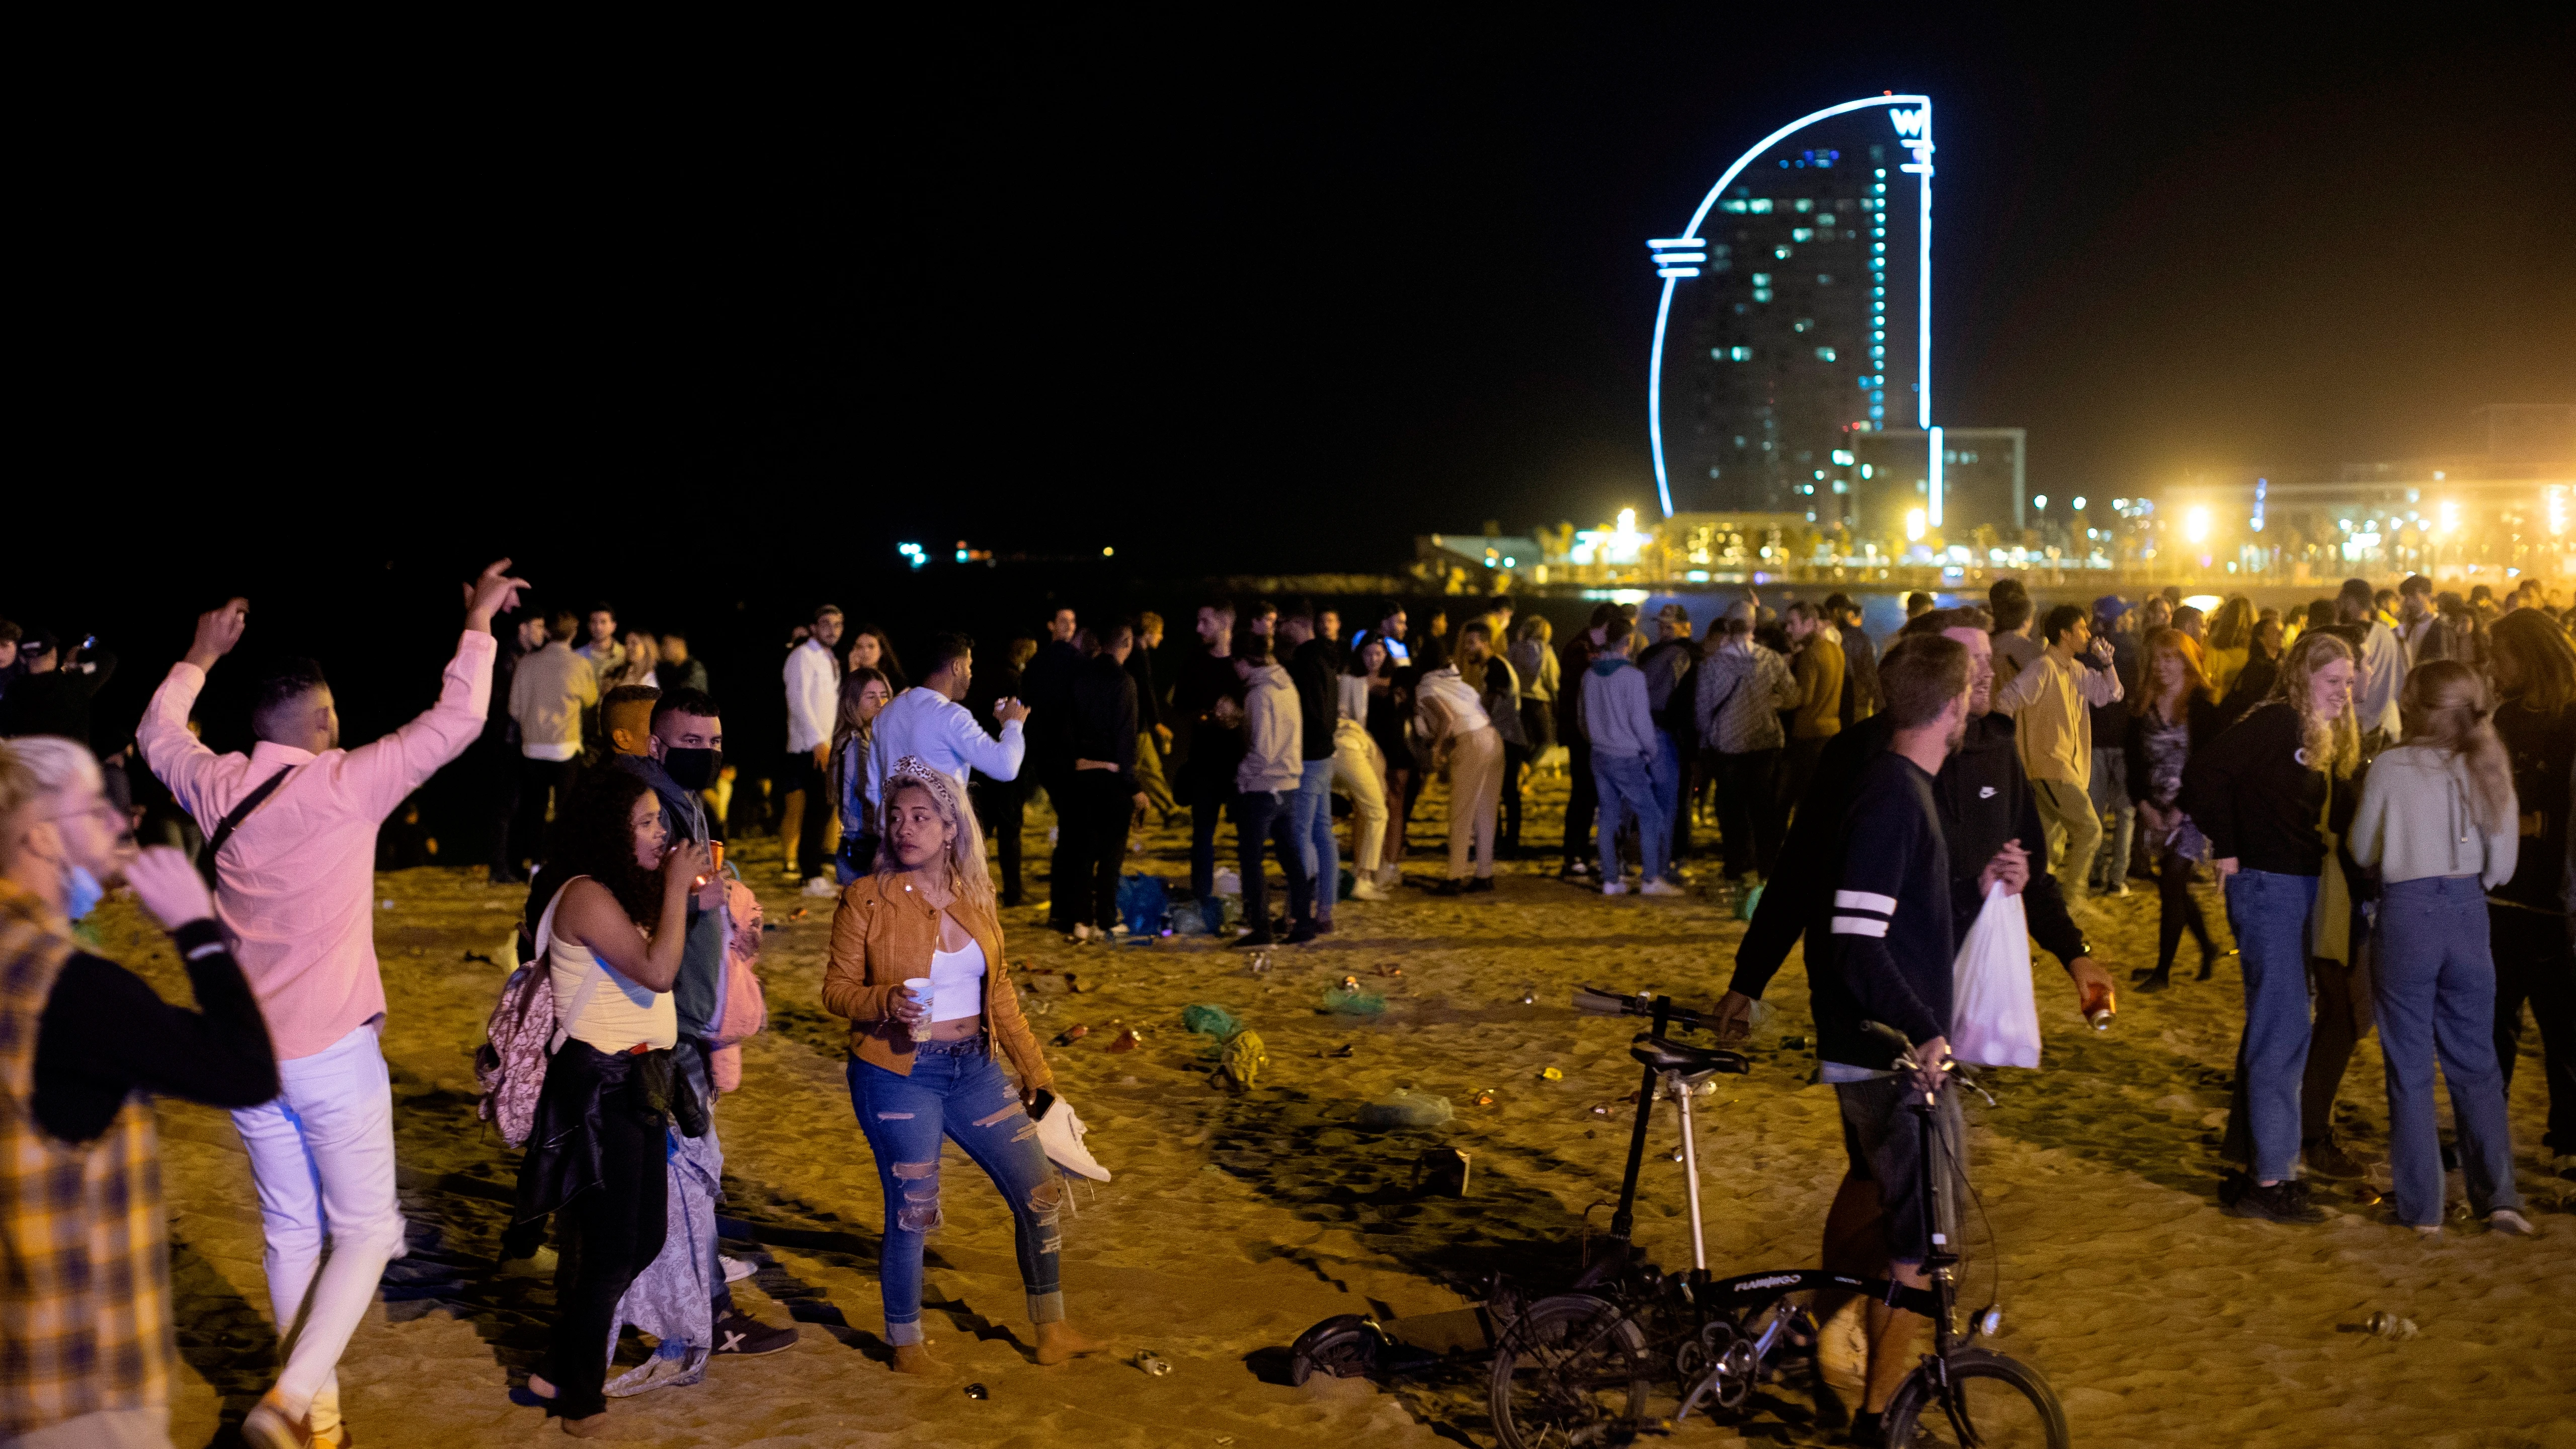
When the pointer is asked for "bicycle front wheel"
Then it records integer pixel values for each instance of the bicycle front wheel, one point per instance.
(1994, 1401)
(1571, 1371)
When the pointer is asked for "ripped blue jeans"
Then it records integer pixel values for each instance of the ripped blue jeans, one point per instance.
(956, 1090)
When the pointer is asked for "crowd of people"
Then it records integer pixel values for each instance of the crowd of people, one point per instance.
(2379, 785)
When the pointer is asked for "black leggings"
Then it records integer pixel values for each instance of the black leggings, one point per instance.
(2177, 909)
(609, 1234)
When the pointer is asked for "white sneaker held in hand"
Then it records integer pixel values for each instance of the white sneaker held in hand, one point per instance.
(1061, 1132)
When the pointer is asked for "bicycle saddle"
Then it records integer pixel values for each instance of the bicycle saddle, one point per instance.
(1666, 1055)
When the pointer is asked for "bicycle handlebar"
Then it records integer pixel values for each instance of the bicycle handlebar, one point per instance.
(1905, 1059)
(1593, 1001)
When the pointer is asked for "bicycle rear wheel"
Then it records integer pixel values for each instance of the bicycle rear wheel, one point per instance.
(2002, 1403)
(1571, 1371)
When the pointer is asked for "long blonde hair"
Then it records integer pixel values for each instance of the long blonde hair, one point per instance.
(2331, 745)
(967, 876)
(2447, 708)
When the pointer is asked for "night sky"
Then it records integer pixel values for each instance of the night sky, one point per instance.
(737, 319)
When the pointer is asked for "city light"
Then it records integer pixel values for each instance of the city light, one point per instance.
(1914, 525)
(2195, 525)
(2451, 518)
(1914, 133)
(2079, 503)
(2040, 503)
(2556, 494)
(913, 552)
(1935, 489)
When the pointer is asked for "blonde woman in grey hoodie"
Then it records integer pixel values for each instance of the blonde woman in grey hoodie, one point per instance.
(2437, 820)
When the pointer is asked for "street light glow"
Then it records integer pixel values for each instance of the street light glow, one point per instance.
(1914, 525)
(2195, 525)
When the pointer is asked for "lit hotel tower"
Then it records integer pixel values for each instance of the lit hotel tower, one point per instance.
(1797, 312)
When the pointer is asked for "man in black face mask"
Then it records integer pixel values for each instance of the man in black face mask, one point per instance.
(681, 759)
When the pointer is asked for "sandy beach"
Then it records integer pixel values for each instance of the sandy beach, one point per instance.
(1237, 1219)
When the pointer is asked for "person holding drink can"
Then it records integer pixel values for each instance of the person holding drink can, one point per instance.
(917, 967)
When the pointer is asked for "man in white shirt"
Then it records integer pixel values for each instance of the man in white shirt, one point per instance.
(605, 651)
(927, 723)
(549, 692)
(813, 677)
(2416, 617)
(2382, 674)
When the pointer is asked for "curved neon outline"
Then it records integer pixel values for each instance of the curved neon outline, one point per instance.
(1690, 234)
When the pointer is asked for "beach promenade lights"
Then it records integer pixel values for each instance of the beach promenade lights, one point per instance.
(1679, 258)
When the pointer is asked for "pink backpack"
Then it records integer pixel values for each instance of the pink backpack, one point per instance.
(511, 1065)
(746, 1009)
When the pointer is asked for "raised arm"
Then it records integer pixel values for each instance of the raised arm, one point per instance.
(998, 756)
(591, 915)
(179, 759)
(385, 771)
(2014, 696)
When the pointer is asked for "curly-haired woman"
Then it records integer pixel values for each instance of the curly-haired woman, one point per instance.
(917, 967)
(2261, 792)
(611, 939)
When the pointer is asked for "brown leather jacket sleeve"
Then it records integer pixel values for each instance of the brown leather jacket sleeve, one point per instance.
(1010, 1029)
(846, 991)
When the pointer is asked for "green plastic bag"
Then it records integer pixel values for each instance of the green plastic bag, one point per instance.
(1208, 1020)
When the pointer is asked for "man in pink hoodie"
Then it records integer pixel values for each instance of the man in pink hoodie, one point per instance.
(292, 828)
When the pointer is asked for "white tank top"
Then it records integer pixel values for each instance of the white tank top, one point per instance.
(957, 983)
(593, 1004)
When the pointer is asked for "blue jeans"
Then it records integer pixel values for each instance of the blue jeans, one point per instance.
(2436, 984)
(1664, 782)
(955, 1090)
(2269, 914)
(1266, 817)
(2110, 791)
(1626, 785)
(1311, 820)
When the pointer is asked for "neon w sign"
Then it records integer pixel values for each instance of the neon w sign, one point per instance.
(1914, 129)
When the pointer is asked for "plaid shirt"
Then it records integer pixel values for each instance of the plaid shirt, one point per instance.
(84, 1252)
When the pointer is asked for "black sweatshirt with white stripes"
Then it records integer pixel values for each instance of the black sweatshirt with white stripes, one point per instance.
(1894, 941)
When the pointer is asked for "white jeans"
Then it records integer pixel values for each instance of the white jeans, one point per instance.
(322, 1155)
(1357, 772)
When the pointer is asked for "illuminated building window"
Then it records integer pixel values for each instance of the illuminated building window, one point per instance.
(1803, 234)
(1759, 204)
(1762, 296)
(1762, 279)
(1824, 279)
(1739, 440)
(1824, 354)
(1806, 204)
(1824, 220)
(1740, 354)
(1802, 324)
(1780, 253)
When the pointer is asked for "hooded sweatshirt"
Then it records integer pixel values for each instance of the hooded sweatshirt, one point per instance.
(1617, 718)
(1273, 732)
(2418, 817)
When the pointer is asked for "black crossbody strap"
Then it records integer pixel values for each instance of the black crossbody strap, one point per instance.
(224, 828)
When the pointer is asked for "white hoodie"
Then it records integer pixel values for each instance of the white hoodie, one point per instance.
(2418, 818)
(1273, 733)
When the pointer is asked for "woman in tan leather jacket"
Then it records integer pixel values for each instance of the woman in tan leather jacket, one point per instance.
(921, 1055)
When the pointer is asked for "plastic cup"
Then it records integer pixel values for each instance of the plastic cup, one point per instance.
(918, 988)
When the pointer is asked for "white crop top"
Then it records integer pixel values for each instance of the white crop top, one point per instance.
(957, 983)
(596, 1006)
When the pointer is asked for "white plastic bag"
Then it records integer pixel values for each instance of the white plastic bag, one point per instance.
(1994, 1020)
